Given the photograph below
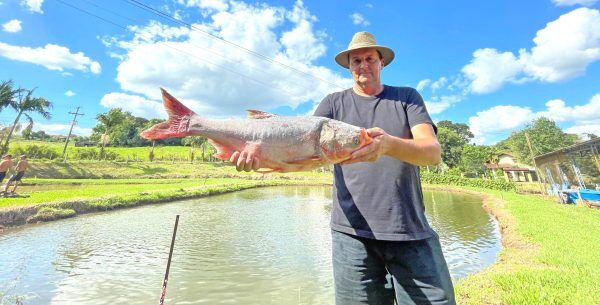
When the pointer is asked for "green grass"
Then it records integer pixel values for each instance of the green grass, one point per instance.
(58, 191)
(558, 264)
(132, 154)
(109, 169)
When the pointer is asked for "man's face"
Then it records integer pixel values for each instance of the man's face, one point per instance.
(365, 66)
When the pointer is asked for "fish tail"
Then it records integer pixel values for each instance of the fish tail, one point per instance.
(176, 126)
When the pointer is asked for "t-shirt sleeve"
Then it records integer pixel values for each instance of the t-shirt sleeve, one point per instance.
(416, 111)
(325, 108)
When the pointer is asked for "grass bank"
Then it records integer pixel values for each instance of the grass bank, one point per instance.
(550, 255)
(91, 196)
(119, 170)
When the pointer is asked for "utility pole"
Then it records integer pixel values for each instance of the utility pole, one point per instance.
(75, 114)
(537, 170)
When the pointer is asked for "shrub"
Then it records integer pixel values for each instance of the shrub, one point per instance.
(500, 185)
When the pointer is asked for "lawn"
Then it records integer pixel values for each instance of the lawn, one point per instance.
(551, 255)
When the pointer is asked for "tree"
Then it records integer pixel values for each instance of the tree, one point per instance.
(7, 95)
(462, 130)
(473, 159)
(26, 133)
(545, 137)
(25, 105)
(451, 144)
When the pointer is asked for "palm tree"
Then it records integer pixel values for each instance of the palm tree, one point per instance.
(7, 95)
(24, 105)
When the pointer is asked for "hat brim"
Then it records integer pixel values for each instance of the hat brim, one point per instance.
(386, 53)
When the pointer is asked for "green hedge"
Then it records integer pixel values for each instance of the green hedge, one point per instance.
(501, 185)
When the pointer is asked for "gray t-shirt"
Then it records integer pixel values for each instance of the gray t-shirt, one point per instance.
(382, 199)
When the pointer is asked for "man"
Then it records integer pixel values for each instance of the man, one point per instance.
(383, 247)
(18, 175)
(5, 166)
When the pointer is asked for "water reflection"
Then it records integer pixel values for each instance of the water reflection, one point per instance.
(261, 246)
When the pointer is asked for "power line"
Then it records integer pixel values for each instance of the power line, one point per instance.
(207, 49)
(177, 49)
(259, 55)
(75, 114)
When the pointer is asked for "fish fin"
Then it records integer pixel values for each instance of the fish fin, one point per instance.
(257, 114)
(223, 151)
(176, 126)
(309, 161)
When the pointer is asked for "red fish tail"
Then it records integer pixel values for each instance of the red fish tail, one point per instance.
(176, 126)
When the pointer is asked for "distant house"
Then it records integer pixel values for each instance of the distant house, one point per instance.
(513, 170)
(85, 144)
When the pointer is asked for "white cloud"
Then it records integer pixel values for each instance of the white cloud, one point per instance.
(584, 129)
(359, 19)
(137, 105)
(12, 26)
(61, 129)
(51, 56)
(69, 93)
(440, 83)
(34, 6)
(587, 114)
(216, 5)
(369, 5)
(504, 118)
(563, 49)
(219, 79)
(437, 104)
(489, 69)
(423, 84)
(574, 2)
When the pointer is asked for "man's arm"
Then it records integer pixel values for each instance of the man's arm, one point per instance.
(422, 149)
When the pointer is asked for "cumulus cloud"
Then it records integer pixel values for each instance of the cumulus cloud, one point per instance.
(137, 105)
(574, 2)
(423, 84)
(437, 104)
(504, 118)
(34, 6)
(215, 5)
(580, 129)
(69, 93)
(359, 19)
(12, 26)
(61, 129)
(51, 56)
(563, 49)
(217, 78)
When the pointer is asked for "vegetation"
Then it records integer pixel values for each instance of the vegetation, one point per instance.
(545, 137)
(24, 105)
(453, 180)
(550, 254)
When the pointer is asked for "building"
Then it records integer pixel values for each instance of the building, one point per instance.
(511, 170)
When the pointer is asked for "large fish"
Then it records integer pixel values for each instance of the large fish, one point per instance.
(282, 144)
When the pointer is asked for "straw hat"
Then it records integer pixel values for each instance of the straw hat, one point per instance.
(362, 40)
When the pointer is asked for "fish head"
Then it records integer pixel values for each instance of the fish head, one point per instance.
(338, 140)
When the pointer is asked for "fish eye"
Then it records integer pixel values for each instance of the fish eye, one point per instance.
(356, 141)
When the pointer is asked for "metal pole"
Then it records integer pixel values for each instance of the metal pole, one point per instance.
(164, 285)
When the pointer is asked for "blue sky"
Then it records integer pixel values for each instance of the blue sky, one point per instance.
(495, 65)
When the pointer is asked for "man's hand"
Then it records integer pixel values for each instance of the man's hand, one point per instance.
(244, 161)
(373, 151)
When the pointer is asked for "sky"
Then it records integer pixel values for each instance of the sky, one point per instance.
(494, 65)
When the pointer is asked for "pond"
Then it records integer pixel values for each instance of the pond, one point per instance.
(258, 246)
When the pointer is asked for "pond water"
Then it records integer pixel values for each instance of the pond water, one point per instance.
(259, 246)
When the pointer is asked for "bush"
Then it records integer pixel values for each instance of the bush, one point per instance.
(34, 151)
(501, 185)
